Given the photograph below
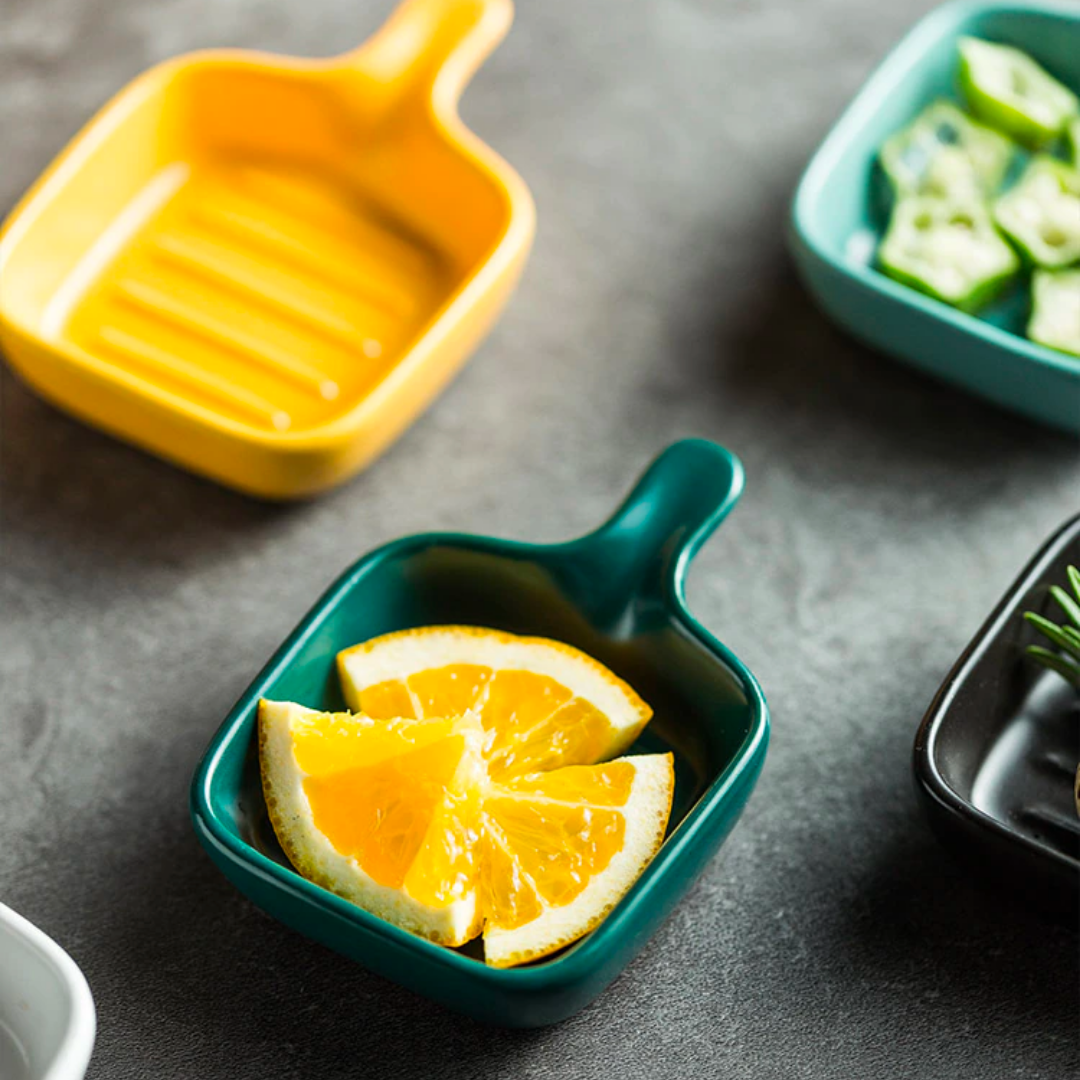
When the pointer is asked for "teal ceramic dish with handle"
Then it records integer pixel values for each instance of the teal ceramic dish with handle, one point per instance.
(836, 223)
(618, 594)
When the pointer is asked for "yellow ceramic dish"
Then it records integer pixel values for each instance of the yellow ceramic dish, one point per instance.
(263, 268)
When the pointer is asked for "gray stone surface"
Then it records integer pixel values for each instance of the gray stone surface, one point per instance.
(883, 517)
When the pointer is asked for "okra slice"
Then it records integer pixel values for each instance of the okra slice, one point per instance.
(1055, 310)
(1010, 91)
(1072, 141)
(945, 152)
(949, 249)
(1041, 213)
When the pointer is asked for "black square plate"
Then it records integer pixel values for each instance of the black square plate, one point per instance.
(997, 752)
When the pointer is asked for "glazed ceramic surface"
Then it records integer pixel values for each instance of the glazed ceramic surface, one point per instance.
(47, 1020)
(263, 268)
(617, 594)
(997, 753)
(838, 218)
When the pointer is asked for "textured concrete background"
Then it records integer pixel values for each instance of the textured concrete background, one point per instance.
(884, 515)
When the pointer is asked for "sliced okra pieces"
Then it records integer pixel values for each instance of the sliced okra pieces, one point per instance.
(1072, 141)
(948, 249)
(1041, 213)
(1008, 90)
(944, 152)
(1055, 310)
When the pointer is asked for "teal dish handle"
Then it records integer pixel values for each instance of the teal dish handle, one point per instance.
(640, 556)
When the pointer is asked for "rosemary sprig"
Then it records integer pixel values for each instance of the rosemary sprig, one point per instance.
(1065, 660)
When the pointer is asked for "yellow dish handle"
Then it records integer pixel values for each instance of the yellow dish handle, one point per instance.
(430, 49)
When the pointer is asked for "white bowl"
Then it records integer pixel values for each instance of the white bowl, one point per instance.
(47, 1020)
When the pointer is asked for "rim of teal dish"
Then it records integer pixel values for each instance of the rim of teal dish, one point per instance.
(566, 967)
(886, 77)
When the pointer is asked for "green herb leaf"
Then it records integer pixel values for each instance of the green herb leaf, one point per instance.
(1057, 634)
(1065, 667)
(1067, 638)
(1074, 580)
(1067, 603)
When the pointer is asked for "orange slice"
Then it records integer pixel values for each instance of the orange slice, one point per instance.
(383, 814)
(560, 849)
(542, 704)
(400, 817)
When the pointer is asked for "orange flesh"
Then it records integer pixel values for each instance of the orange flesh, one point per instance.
(597, 785)
(576, 732)
(547, 836)
(337, 742)
(507, 897)
(533, 722)
(383, 793)
(448, 691)
(388, 701)
(559, 847)
(445, 868)
(380, 814)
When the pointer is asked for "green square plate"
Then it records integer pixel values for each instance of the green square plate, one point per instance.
(616, 593)
(836, 223)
